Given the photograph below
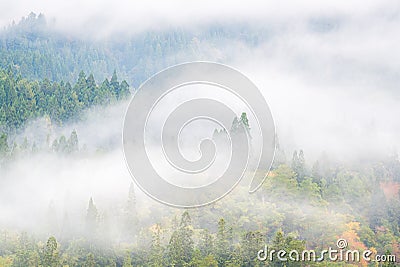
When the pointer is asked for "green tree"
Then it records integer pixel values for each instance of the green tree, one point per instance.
(73, 142)
(286, 243)
(245, 121)
(131, 217)
(81, 89)
(127, 260)
(181, 245)
(3, 144)
(280, 156)
(115, 85)
(89, 261)
(54, 145)
(222, 245)
(23, 256)
(388, 263)
(283, 188)
(251, 243)
(202, 261)
(50, 253)
(206, 243)
(156, 258)
(310, 192)
(62, 145)
(91, 220)
(91, 89)
(298, 165)
(124, 90)
(241, 125)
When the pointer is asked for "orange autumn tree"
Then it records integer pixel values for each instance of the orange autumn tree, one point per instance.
(354, 242)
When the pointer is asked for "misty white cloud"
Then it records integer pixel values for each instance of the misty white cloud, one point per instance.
(100, 17)
(329, 71)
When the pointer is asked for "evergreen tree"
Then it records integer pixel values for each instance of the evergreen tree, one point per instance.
(73, 143)
(62, 145)
(124, 90)
(24, 254)
(280, 156)
(54, 145)
(288, 243)
(298, 165)
(50, 256)
(131, 216)
(181, 245)
(91, 220)
(115, 85)
(301, 166)
(156, 258)
(90, 262)
(222, 246)
(3, 144)
(91, 89)
(388, 263)
(127, 260)
(22, 99)
(378, 208)
(81, 89)
(241, 125)
(250, 245)
(316, 172)
(295, 161)
(206, 244)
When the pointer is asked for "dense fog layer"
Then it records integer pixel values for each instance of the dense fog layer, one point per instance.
(329, 75)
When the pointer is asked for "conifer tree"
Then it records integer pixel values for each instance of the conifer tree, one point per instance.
(51, 253)
(181, 245)
(91, 219)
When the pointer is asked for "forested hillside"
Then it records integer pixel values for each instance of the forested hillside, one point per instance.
(304, 204)
(24, 99)
(37, 51)
(297, 208)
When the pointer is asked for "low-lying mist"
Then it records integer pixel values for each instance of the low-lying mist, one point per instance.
(332, 88)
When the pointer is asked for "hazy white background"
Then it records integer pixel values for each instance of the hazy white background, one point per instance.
(329, 71)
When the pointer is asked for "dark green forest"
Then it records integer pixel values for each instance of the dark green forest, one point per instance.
(302, 204)
(24, 99)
